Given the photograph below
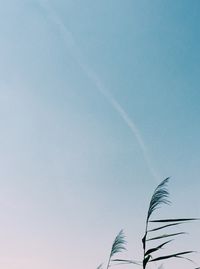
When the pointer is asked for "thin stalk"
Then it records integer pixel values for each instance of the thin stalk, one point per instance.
(144, 243)
(108, 265)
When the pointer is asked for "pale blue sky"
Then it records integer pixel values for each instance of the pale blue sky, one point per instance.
(72, 172)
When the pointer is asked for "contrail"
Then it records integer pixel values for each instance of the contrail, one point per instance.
(76, 53)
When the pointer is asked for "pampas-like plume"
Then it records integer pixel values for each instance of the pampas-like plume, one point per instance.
(160, 196)
(117, 246)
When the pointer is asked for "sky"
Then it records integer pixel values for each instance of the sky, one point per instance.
(99, 102)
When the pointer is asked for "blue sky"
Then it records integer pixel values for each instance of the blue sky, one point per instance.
(99, 102)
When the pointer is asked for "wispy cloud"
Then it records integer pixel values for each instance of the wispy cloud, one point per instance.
(77, 55)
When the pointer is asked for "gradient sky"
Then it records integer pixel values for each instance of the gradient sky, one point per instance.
(99, 101)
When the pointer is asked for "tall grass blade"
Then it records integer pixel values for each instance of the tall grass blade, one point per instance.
(121, 261)
(174, 220)
(165, 226)
(176, 255)
(156, 248)
(164, 236)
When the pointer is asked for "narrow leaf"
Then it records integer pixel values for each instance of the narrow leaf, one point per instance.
(156, 248)
(165, 226)
(164, 236)
(185, 258)
(176, 255)
(127, 261)
(173, 220)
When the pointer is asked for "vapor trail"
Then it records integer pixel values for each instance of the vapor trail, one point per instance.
(76, 53)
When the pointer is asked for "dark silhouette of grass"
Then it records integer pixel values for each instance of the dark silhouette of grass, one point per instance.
(160, 197)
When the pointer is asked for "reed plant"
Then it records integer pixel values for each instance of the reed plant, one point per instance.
(150, 254)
